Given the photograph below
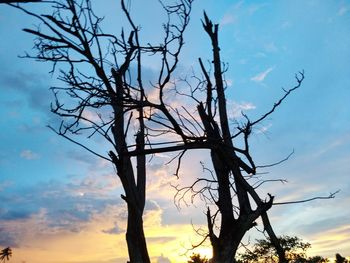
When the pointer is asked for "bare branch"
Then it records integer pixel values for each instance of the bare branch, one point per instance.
(330, 196)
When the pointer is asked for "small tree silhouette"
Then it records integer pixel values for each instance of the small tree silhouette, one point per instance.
(5, 254)
(340, 259)
(294, 247)
(196, 258)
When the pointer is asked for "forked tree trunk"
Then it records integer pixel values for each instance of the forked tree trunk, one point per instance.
(227, 164)
(135, 200)
(232, 230)
(134, 190)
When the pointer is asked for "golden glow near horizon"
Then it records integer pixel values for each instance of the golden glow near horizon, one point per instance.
(92, 244)
(101, 238)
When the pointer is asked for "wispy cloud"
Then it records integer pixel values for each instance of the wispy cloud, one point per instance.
(270, 47)
(335, 239)
(253, 8)
(331, 146)
(343, 10)
(236, 108)
(286, 24)
(238, 10)
(5, 184)
(29, 155)
(232, 15)
(163, 259)
(228, 19)
(264, 128)
(114, 230)
(71, 233)
(262, 75)
(33, 86)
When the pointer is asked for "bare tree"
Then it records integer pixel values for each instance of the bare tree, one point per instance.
(230, 181)
(230, 190)
(109, 100)
(138, 119)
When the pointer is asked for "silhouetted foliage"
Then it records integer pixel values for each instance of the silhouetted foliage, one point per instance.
(340, 259)
(196, 258)
(5, 254)
(263, 251)
(317, 259)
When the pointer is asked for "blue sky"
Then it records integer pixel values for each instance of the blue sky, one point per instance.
(55, 195)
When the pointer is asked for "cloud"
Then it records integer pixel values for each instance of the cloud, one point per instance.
(235, 109)
(286, 24)
(270, 47)
(263, 129)
(92, 116)
(232, 15)
(49, 221)
(328, 224)
(238, 10)
(261, 76)
(83, 157)
(343, 10)
(253, 8)
(35, 239)
(334, 240)
(67, 227)
(33, 86)
(163, 259)
(244, 106)
(228, 19)
(29, 155)
(62, 207)
(7, 239)
(15, 215)
(161, 239)
(332, 146)
(114, 230)
(4, 185)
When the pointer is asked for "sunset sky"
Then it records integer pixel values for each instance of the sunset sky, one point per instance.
(60, 204)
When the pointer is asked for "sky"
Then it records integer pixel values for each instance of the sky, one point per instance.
(59, 203)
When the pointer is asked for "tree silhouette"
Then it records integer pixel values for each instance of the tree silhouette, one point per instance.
(5, 254)
(138, 118)
(110, 100)
(229, 191)
(264, 251)
(317, 259)
(196, 258)
(340, 259)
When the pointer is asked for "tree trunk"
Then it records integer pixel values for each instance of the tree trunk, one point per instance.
(231, 230)
(135, 200)
(135, 237)
(225, 247)
(135, 194)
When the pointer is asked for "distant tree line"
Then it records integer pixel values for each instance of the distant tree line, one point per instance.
(263, 251)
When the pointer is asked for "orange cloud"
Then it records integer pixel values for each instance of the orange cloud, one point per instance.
(39, 243)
